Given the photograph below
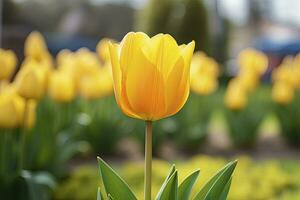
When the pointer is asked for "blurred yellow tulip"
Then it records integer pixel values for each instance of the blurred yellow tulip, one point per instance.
(96, 85)
(251, 59)
(151, 75)
(31, 82)
(204, 65)
(235, 96)
(103, 49)
(282, 93)
(12, 109)
(35, 46)
(30, 114)
(61, 87)
(248, 79)
(8, 62)
(204, 85)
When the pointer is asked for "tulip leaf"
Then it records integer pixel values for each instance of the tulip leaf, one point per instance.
(114, 185)
(215, 186)
(186, 186)
(99, 194)
(170, 189)
(226, 190)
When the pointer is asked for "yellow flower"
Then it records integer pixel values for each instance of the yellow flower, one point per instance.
(248, 79)
(103, 49)
(251, 59)
(204, 85)
(8, 62)
(12, 109)
(235, 96)
(96, 85)
(35, 46)
(61, 87)
(282, 93)
(31, 81)
(31, 114)
(151, 75)
(204, 65)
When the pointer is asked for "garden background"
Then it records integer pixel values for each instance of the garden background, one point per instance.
(244, 102)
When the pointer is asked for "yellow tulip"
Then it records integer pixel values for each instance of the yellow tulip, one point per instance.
(204, 85)
(35, 46)
(151, 75)
(103, 49)
(65, 58)
(282, 93)
(248, 79)
(235, 96)
(12, 109)
(31, 82)
(285, 73)
(204, 65)
(97, 85)
(61, 87)
(30, 114)
(251, 59)
(8, 62)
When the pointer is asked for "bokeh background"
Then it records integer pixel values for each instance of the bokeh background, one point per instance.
(244, 102)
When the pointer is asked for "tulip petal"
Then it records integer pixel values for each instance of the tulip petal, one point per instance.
(145, 88)
(130, 46)
(163, 51)
(117, 78)
(178, 82)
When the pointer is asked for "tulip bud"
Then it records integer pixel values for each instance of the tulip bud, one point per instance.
(61, 87)
(248, 79)
(103, 49)
(97, 85)
(12, 109)
(151, 75)
(31, 114)
(282, 93)
(35, 46)
(204, 85)
(235, 96)
(251, 59)
(8, 62)
(31, 82)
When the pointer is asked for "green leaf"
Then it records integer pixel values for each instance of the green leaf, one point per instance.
(170, 189)
(226, 190)
(99, 194)
(186, 186)
(167, 179)
(214, 187)
(113, 183)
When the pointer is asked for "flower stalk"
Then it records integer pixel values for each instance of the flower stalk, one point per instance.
(148, 160)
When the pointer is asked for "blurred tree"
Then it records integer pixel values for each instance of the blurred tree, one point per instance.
(194, 25)
(186, 20)
(154, 18)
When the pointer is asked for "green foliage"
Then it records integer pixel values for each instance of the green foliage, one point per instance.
(53, 141)
(113, 183)
(102, 124)
(289, 119)
(192, 122)
(281, 180)
(216, 188)
(243, 124)
(186, 20)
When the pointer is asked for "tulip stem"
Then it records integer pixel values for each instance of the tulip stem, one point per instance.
(23, 135)
(148, 160)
